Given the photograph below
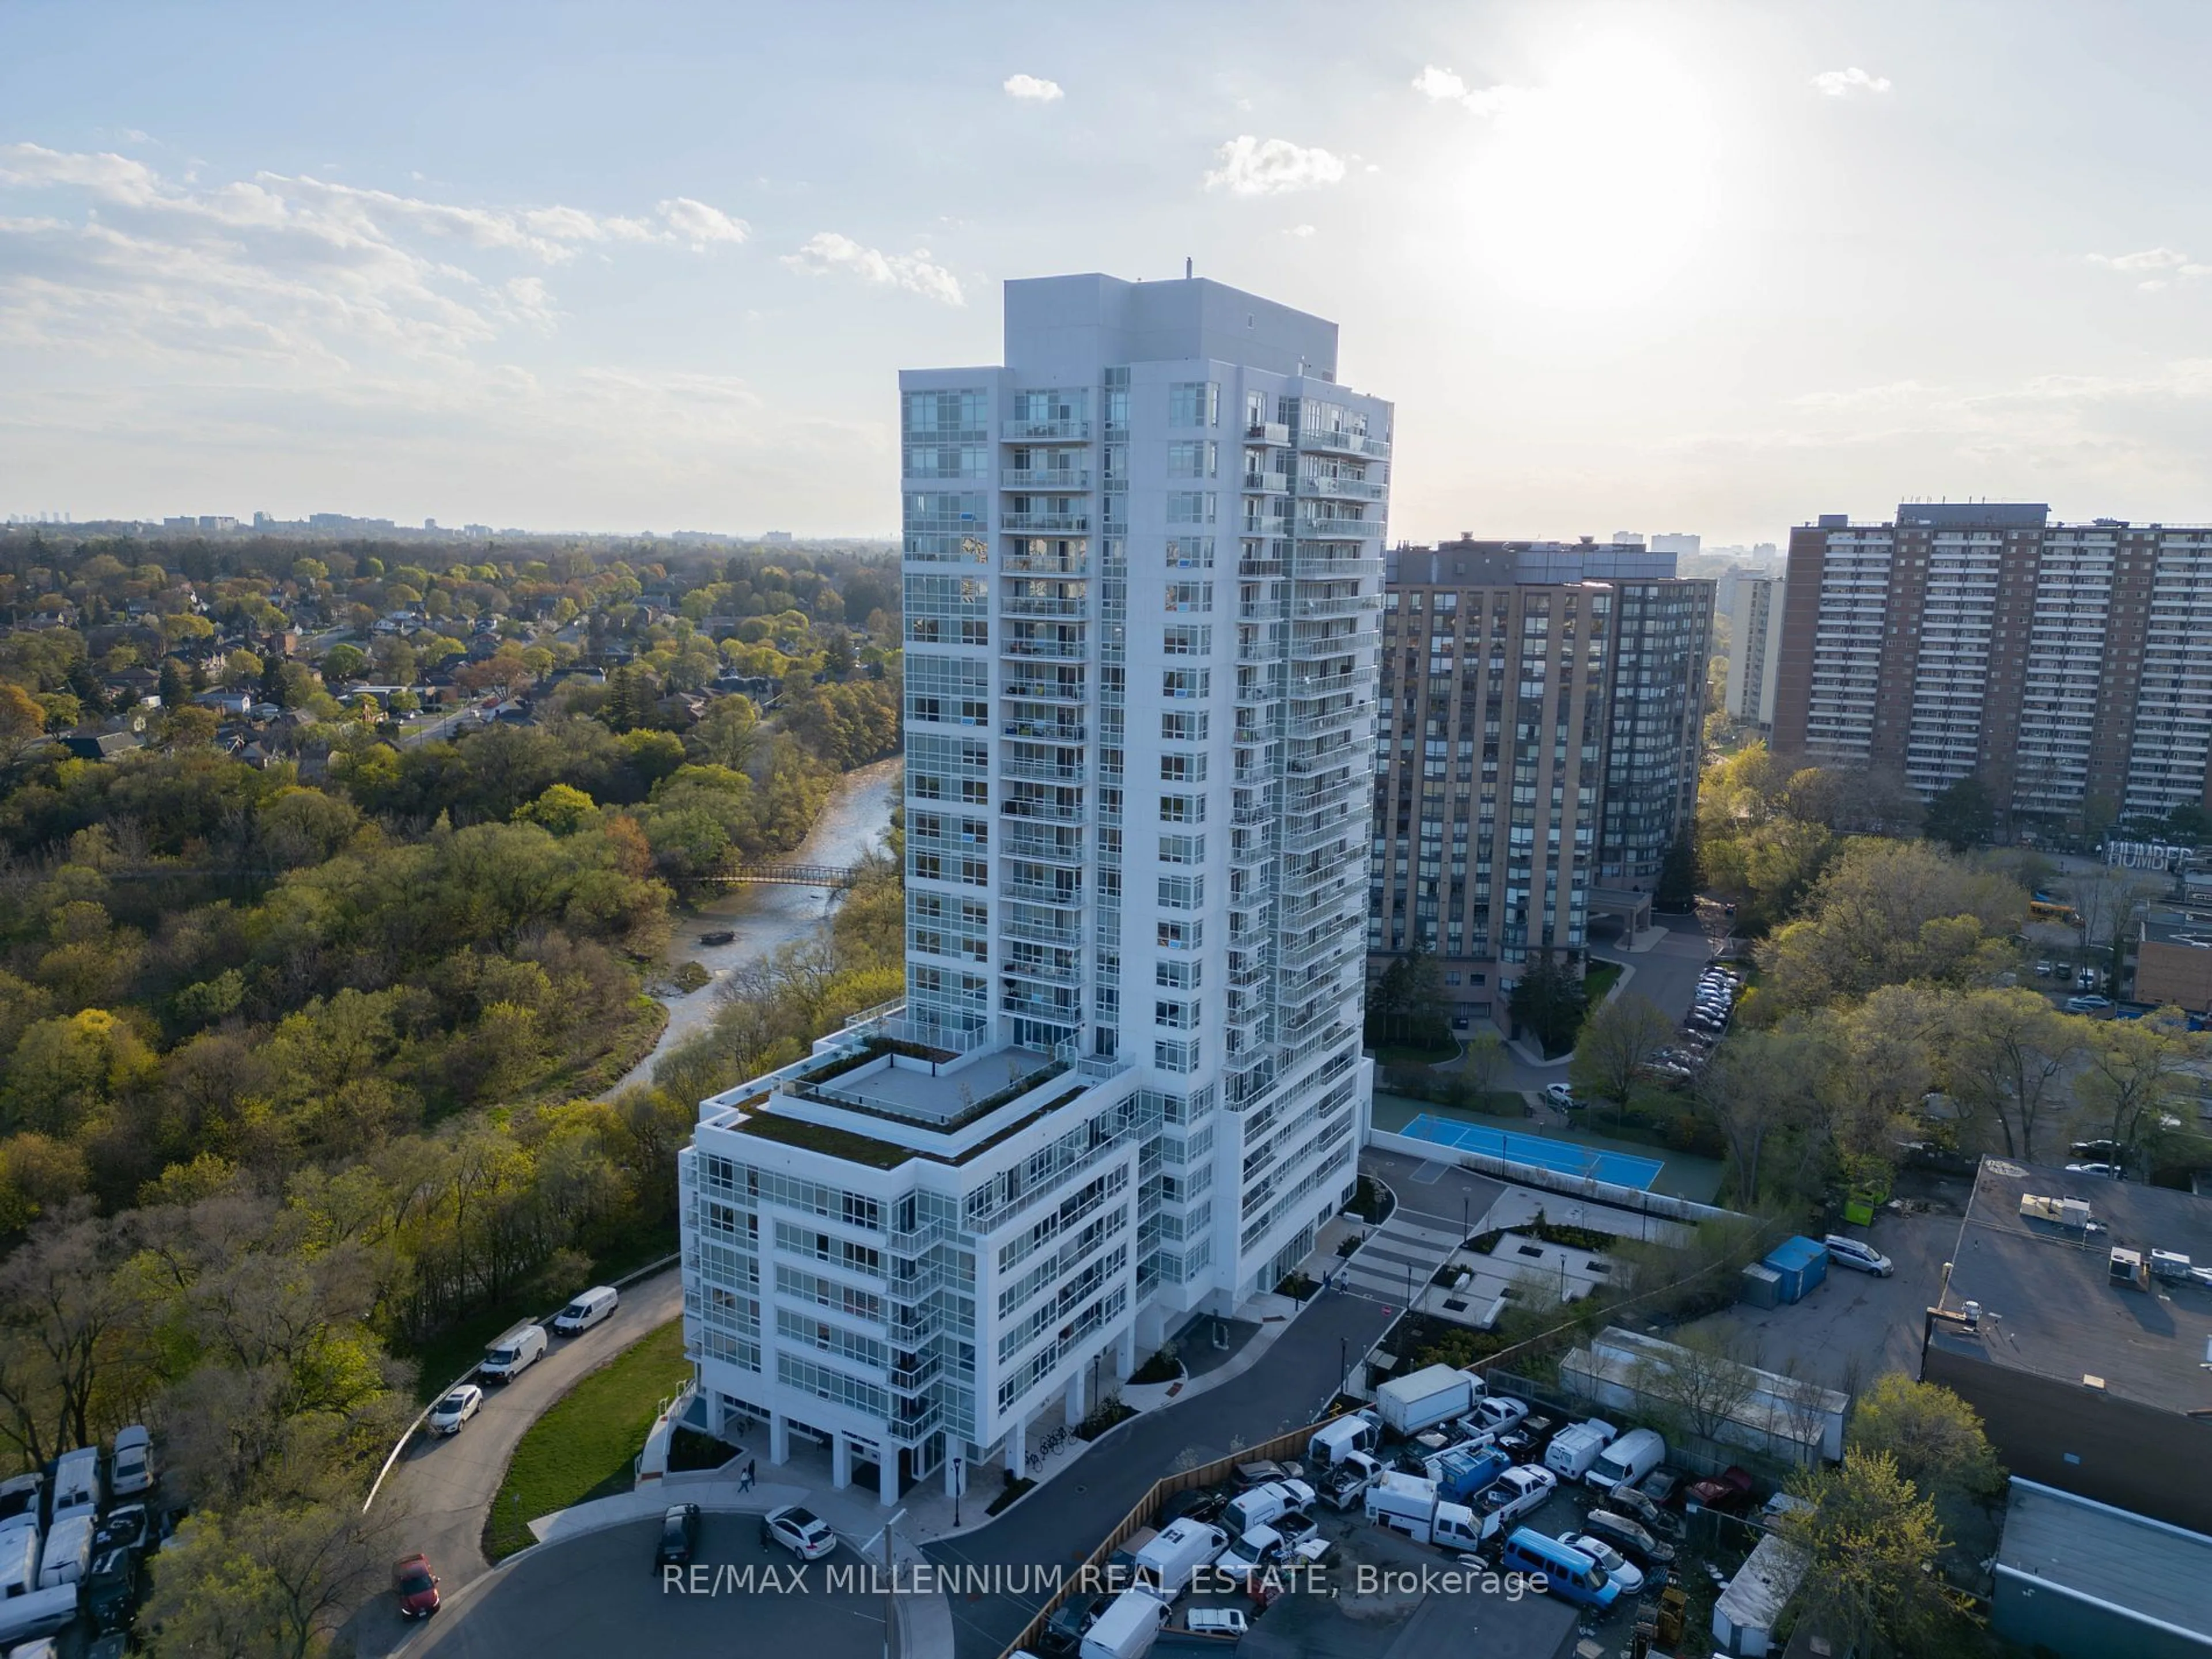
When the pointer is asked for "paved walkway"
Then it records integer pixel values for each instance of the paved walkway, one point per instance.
(1400, 1256)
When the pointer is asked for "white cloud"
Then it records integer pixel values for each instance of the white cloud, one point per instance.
(2149, 259)
(1443, 86)
(1842, 82)
(1250, 167)
(827, 253)
(698, 224)
(1033, 89)
(1439, 83)
(1299, 231)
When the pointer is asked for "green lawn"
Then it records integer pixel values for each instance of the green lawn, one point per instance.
(1414, 1053)
(587, 1445)
(1598, 979)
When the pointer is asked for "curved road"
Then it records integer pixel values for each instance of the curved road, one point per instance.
(439, 1491)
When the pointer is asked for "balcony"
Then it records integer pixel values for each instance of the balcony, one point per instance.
(1048, 480)
(1047, 973)
(1037, 771)
(1339, 529)
(1036, 892)
(1052, 691)
(1324, 441)
(1271, 483)
(1039, 812)
(1048, 731)
(1349, 490)
(1267, 432)
(1068, 939)
(1050, 650)
(1030, 605)
(1047, 524)
(1336, 606)
(1045, 564)
(1048, 432)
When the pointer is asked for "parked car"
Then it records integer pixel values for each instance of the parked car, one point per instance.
(1496, 1413)
(513, 1353)
(1216, 1622)
(415, 1586)
(2088, 1005)
(2042, 968)
(111, 1588)
(799, 1530)
(1560, 1095)
(1265, 1471)
(131, 1470)
(1063, 1631)
(588, 1309)
(1631, 1539)
(1295, 1528)
(1643, 1509)
(1516, 1492)
(1663, 1486)
(455, 1409)
(1730, 1491)
(1198, 1504)
(1618, 1567)
(2087, 979)
(679, 1536)
(1856, 1253)
(125, 1529)
(2110, 1171)
(1525, 1441)
(2104, 1151)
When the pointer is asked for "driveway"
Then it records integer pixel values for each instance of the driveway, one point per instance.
(599, 1594)
(440, 1490)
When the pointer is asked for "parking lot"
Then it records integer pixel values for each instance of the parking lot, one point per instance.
(1854, 1327)
(600, 1594)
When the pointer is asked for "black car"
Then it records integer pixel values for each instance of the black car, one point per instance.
(1063, 1631)
(1629, 1538)
(1525, 1442)
(1198, 1504)
(679, 1536)
(124, 1529)
(111, 1588)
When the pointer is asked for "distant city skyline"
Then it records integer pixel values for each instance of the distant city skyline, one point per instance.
(1870, 250)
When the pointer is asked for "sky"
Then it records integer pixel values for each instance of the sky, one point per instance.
(1660, 265)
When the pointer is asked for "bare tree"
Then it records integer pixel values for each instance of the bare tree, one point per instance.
(1702, 1385)
(2007, 1052)
(267, 1582)
(69, 1328)
(1618, 1040)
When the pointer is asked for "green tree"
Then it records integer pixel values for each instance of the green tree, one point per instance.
(1934, 1437)
(23, 726)
(344, 662)
(176, 685)
(1549, 1000)
(1675, 892)
(2005, 1054)
(562, 809)
(1962, 816)
(271, 1580)
(1873, 1542)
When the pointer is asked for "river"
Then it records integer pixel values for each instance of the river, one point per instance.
(766, 918)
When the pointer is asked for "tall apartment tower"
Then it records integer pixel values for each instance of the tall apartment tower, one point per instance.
(1541, 706)
(2068, 667)
(1142, 577)
(1754, 647)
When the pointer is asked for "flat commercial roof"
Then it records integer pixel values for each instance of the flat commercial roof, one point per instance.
(931, 1098)
(2135, 1567)
(2048, 1303)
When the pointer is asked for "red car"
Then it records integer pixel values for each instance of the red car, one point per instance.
(1730, 1491)
(415, 1586)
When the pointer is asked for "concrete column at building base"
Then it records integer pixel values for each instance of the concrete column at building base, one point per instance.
(840, 1460)
(1077, 1407)
(779, 1438)
(1125, 1353)
(1017, 1449)
(887, 1481)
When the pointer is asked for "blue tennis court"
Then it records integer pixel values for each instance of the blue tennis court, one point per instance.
(1561, 1156)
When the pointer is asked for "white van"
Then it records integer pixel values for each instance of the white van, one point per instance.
(76, 1484)
(1216, 1622)
(68, 1553)
(586, 1310)
(1333, 1442)
(513, 1354)
(1574, 1450)
(1178, 1552)
(1128, 1629)
(19, 1556)
(1628, 1460)
(43, 1612)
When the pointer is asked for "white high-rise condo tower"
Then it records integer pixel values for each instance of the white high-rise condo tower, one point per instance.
(1142, 575)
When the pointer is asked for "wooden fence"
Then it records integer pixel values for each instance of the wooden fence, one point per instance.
(1290, 1443)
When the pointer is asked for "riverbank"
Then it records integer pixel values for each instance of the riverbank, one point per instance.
(764, 918)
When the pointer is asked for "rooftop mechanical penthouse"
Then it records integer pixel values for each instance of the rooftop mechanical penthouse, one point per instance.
(1142, 576)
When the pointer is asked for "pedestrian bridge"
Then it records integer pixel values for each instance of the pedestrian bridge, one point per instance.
(794, 875)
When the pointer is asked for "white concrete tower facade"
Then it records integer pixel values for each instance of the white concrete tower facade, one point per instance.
(1142, 579)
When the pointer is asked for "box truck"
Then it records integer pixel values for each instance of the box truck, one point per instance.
(1422, 1398)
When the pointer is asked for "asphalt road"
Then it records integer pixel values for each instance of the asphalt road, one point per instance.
(1062, 1522)
(599, 1594)
(440, 1490)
